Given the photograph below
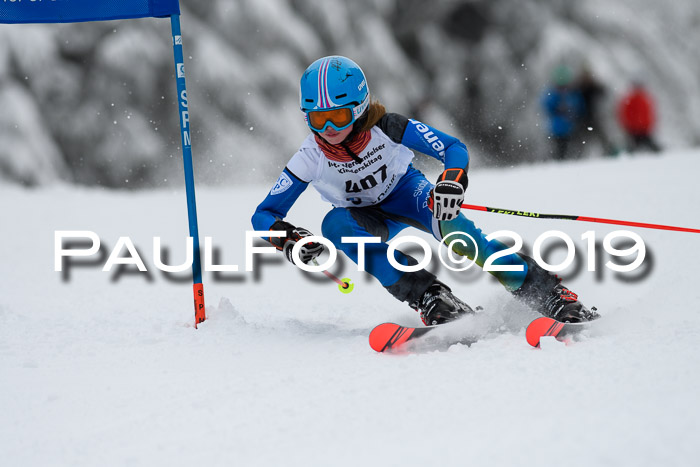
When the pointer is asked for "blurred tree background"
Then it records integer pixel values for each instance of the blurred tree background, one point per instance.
(95, 103)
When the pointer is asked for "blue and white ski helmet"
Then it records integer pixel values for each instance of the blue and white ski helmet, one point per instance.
(334, 82)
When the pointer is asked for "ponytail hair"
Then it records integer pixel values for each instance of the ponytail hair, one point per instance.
(375, 111)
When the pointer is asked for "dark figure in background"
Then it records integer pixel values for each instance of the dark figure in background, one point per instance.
(564, 106)
(591, 127)
(638, 118)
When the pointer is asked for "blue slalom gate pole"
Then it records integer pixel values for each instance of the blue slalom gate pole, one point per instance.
(198, 288)
(72, 11)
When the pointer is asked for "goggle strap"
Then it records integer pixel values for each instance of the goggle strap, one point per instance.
(357, 111)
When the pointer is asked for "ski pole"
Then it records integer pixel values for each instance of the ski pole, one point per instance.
(344, 284)
(578, 218)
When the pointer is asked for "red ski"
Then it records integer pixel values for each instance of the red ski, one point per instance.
(543, 326)
(389, 336)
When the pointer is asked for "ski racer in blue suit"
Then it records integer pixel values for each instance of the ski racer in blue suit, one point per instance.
(358, 157)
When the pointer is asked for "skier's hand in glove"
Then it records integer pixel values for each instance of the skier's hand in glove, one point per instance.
(307, 252)
(447, 196)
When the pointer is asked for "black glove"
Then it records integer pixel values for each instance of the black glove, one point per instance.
(307, 252)
(447, 196)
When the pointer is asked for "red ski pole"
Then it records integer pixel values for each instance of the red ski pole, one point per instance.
(537, 215)
(344, 285)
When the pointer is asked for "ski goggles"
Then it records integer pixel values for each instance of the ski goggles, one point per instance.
(339, 119)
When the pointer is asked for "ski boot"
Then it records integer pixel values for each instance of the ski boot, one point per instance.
(544, 292)
(563, 305)
(438, 305)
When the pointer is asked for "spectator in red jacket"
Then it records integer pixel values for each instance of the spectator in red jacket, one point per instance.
(638, 118)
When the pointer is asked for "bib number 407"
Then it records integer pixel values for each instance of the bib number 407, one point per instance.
(370, 181)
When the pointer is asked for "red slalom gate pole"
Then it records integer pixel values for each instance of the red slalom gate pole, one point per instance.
(536, 215)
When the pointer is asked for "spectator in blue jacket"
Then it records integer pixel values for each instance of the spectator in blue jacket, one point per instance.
(564, 106)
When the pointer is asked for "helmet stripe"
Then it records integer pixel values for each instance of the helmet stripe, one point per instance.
(327, 98)
(324, 98)
(322, 84)
(319, 104)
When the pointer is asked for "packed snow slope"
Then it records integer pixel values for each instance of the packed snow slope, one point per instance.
(98, 368)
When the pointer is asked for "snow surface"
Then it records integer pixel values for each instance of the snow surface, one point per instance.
(98, 370)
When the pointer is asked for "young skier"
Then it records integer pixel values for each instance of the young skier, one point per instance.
(358, 157)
